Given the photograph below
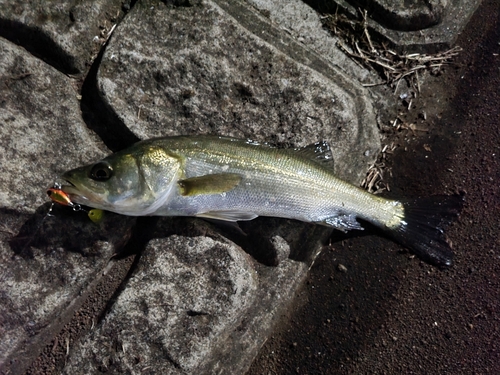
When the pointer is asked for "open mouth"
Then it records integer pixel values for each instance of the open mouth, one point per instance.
(66, 193)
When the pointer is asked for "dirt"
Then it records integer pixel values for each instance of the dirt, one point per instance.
(368, 305)
(53, 356)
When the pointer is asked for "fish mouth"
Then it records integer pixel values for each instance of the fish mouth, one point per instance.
(75, 194)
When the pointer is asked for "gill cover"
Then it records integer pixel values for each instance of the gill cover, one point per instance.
(131, 182)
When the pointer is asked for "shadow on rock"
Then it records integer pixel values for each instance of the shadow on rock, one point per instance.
(272, 240)
(61, 227)
(99, 116)
(268, 240)
(39, 44)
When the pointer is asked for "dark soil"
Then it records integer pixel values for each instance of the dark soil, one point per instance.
(368, 305)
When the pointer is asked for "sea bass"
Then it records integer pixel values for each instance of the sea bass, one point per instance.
(232, 179)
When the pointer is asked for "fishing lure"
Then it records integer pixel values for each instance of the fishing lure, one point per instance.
(58, 196)
(96, 215)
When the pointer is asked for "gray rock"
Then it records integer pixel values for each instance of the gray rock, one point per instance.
(66, 34)
(412, 15)
(184, 298)
(304, 25)
(46, 262)
(198, 69)
(414, 26)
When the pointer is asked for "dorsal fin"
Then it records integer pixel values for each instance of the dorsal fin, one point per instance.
(319, 152)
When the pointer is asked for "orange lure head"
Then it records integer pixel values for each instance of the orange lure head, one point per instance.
(59, 196)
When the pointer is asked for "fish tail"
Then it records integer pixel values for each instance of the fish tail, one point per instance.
(422, 227)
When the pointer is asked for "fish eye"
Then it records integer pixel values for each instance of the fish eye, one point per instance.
(101, 171)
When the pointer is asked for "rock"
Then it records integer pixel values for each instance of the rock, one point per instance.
(412, 15)
(196, 70)
(182, 301)
(66, 34)
(414, 26)
(46, 262)
(304, 26)
(342, 268)
(209, 306)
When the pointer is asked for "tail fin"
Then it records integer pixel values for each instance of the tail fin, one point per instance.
(422, 228)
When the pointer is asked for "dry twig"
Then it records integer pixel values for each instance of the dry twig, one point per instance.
(356, 42)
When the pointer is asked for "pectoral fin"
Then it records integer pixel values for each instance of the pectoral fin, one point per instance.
(209, 184)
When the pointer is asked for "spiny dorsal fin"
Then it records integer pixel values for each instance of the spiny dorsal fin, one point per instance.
(209, 184)
(319, 152)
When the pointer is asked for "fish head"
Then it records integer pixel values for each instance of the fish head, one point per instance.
(132, 182)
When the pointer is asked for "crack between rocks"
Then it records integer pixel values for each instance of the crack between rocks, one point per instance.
(39, 45)
(48, 352)
(22, 364)
(99, 116)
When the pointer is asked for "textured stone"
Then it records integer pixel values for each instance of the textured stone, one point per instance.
(208, 305)
(183, 299)
(410, 15)
(46, 262)
(196, 70)
(66, 34)
(303, 24)
(412, 26)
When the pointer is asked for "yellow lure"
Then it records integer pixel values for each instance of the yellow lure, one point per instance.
(96, 215)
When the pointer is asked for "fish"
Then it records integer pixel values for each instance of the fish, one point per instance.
(233, 180)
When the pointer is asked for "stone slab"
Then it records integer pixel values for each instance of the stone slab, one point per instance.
(66, 34)
(222, 68)
(184, 297)
(46, 262)
(197, 302)
(303, 24)
(417, 27)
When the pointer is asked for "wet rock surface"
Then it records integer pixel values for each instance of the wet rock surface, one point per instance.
(199, 297)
